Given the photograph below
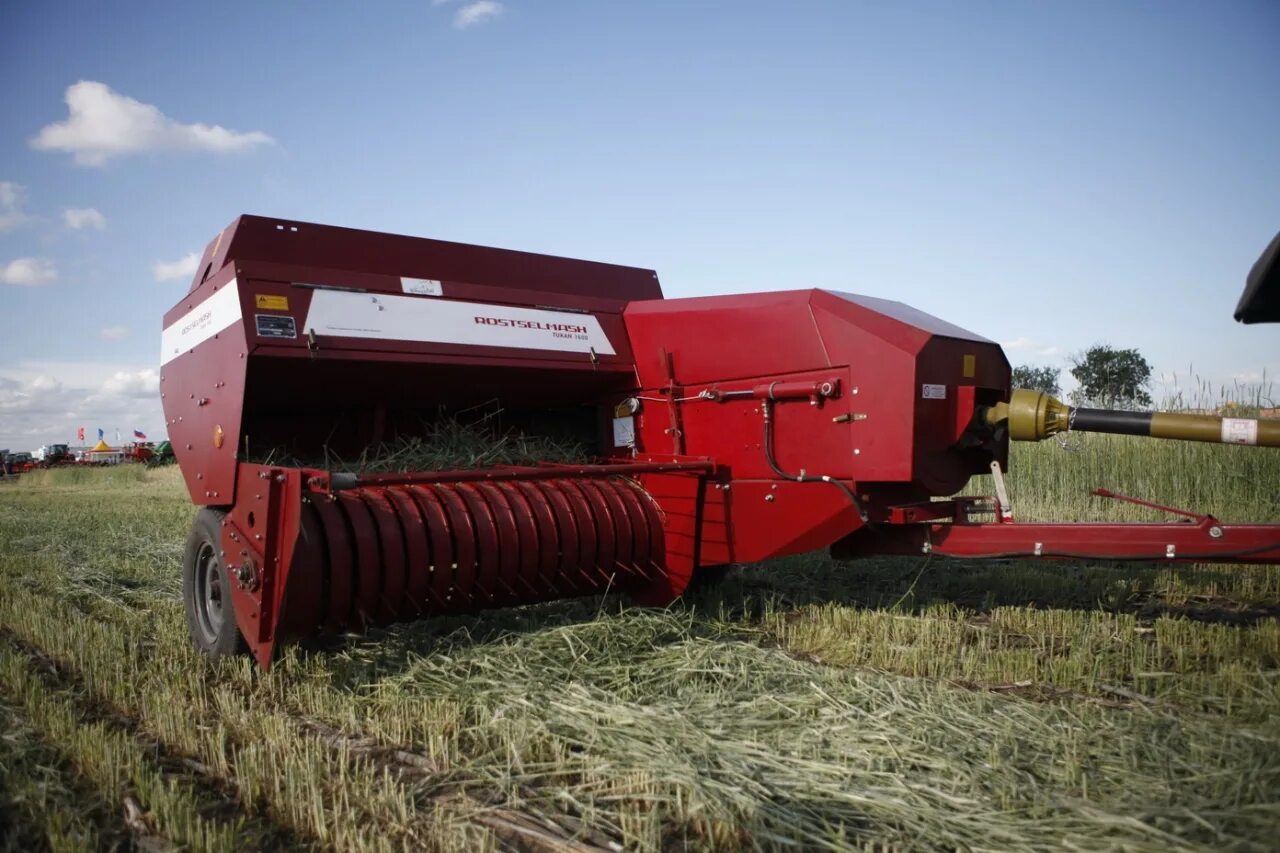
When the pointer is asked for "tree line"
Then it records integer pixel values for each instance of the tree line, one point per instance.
(1108, 378)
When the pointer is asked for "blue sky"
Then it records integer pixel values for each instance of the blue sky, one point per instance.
(1048, 175)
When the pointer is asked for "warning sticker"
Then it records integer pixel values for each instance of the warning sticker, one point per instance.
(1239, 431)
(276, 326)
(269, 302)
(933, 392)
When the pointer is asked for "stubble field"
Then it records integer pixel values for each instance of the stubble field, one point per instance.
(802, 704)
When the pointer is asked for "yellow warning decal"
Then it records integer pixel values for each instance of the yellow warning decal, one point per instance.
(271, 303)
(970, 366)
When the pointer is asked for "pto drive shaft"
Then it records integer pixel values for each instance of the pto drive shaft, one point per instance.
(1033, 416)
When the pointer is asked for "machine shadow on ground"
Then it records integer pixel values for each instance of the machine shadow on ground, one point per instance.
(743, 596)
(1147, 590)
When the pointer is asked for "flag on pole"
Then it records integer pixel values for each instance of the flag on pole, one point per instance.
(139, 435)
(117, 435)
(80, 435)
(100, 434)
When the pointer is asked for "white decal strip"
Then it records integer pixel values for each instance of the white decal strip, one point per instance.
(406, 318)
(201, 323)
(1239, 431)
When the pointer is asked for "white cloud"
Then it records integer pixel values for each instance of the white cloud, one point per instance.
(114, 333)
(83, 217)
(476, 13)
(42, 402)
(28, 272)
(12, 197)
(129, 383)
(184, 267)
(102, 124)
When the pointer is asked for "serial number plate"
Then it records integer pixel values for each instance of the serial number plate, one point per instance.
(276, 326)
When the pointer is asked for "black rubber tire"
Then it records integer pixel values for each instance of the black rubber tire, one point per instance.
(206, 589)
(709, 578)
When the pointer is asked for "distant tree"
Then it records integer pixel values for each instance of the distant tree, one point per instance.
(1112, 378)
(1035, 378)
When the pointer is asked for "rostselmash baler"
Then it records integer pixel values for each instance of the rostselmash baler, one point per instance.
(727, 429)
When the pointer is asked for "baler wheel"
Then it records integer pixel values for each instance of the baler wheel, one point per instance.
(206, 589)
(708, 577)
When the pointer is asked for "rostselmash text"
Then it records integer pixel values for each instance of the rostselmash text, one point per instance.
(197, 322)
(532, 324)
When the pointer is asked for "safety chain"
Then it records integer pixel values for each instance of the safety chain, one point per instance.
(1064, 438)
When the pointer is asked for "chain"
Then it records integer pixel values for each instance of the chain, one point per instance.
(1064, 438)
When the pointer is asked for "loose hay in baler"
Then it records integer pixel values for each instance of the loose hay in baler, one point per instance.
(723, 429)
(448, 441)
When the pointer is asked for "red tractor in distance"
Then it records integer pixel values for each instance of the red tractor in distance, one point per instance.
(56, 455)
(18, 463)
(140, 451)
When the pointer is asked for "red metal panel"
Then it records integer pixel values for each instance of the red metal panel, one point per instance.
(771, 518)
(732, 432)
(202, 392)
(892, 431)
(716, 534)
(941, 363)
(718, 338)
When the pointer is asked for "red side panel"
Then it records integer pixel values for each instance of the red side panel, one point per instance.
(202, 384)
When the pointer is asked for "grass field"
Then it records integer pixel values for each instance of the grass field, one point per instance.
(886, 704)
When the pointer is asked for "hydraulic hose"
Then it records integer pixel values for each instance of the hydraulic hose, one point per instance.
(767, 409)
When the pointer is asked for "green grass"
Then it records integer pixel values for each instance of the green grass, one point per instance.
(803, 704)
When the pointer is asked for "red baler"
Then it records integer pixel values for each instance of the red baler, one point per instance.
(727, 429)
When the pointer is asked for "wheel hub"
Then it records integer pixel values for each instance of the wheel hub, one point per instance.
(208, 599)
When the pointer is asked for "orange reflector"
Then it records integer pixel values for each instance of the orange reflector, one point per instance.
(217, 436)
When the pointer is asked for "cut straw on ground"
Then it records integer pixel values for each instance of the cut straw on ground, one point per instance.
(800, 705)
